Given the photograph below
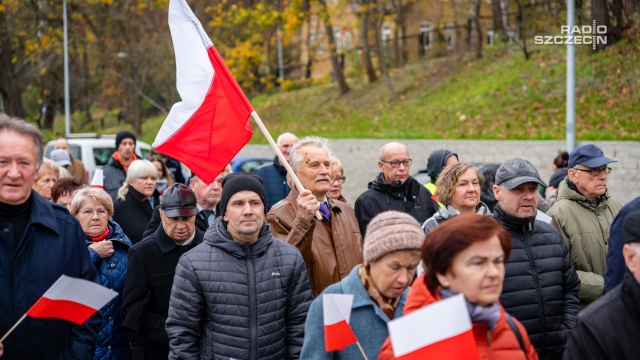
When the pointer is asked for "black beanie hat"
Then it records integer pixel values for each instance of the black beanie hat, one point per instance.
(631, 227)
(237, 182)
(124, 134)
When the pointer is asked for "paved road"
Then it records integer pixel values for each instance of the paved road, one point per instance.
(360, 156)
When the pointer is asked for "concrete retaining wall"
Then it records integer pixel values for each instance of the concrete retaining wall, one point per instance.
(360, 156)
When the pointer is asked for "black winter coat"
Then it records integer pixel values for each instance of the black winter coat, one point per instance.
(134, 213)
(240, 301)
(147, 289)
(541, 287)
(609, 328)
(410, 197)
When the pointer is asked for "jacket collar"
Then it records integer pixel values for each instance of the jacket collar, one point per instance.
(42, 213)
(279, 168)
(569, 191)
(219, 237)
(167, 244)
(398, 189)
(352, 285)
(512, 223)
(115, 234)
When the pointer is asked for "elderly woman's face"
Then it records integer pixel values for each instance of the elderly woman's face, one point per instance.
(45, 182)
(466, 194)
(93, 217)
(477, 272)
(145, 185)
(393, 273)
(65, 199)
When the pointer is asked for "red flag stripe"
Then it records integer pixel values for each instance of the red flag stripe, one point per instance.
(61, 309)
(459, 347)
(338, 336)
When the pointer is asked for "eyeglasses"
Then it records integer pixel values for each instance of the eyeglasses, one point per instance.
(396, 163)
(90, 213)
(595, 172)
(339, 179)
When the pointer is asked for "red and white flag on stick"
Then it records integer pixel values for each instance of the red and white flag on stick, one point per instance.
(69, 299)
(442, 330)
(336, 311)
(211, 123)
(98, 180)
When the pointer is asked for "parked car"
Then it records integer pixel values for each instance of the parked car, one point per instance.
(247, 164)
(95, 152)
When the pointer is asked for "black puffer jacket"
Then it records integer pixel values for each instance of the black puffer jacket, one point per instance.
(409, 197)
(240, 301)
(540, 285)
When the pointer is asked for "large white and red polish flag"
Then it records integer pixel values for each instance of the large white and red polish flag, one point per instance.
(442, 330)
(211, 123)
(71, 299)
(336, 311)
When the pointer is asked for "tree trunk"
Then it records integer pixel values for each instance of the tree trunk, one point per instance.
(50, 110)
(383, 65)
(9, 89)
(498, 27)
(521, 28)
(600, 13)
(476, 20)
(335, 64)
(366, 49)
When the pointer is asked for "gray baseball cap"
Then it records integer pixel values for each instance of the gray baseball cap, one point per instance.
(515, 172)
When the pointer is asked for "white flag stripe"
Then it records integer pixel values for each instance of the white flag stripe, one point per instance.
(194, 72)
(80, 291)
(431, 324)
(98, 178)
(336, 307)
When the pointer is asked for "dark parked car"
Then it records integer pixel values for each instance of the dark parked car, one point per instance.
(247, 164)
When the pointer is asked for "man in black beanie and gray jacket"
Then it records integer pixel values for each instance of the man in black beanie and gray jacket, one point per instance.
(242, 293)
(115, 172)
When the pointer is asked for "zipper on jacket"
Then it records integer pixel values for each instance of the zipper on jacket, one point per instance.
(253, 311)
(537, 284)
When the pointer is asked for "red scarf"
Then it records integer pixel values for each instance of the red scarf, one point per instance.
(101, 236)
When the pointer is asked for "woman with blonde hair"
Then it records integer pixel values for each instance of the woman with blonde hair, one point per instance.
(47, 175)
(337, 179)
(136, 199)
(458, 189)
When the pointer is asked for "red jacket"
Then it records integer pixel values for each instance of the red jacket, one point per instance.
(501, 343)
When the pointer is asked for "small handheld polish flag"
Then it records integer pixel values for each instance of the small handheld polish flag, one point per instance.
(442, 330)
(336, 311)
(71, 299)
(98, 180)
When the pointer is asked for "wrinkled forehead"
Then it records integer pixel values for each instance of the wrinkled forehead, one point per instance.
(313, 153)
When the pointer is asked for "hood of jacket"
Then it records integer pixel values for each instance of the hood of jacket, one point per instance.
(448, 211)
(568, 191)
(398, 189)
(218, 236)
(279, 168)
(437, 161)
(115, 234)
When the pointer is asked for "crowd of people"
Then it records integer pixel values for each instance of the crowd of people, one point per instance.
(238, 268)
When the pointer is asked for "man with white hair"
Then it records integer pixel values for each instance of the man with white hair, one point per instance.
(274, 175)
(331, 247)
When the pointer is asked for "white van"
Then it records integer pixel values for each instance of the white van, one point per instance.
(95, 152)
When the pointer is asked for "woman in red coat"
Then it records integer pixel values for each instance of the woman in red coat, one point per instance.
(467, 255)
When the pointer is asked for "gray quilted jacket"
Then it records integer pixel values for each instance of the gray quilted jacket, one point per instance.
(238, 301)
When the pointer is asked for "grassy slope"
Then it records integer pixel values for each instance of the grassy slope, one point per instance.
(501, 96)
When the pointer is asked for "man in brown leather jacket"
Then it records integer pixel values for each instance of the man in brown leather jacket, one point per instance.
(331, 247)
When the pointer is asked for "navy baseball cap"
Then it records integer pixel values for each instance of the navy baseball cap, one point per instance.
(590, 156)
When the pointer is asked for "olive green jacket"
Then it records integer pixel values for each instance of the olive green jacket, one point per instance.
(584, 225)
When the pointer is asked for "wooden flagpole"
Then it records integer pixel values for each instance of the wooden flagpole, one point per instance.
(13, 327)
(283, 161)
(361, 350)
